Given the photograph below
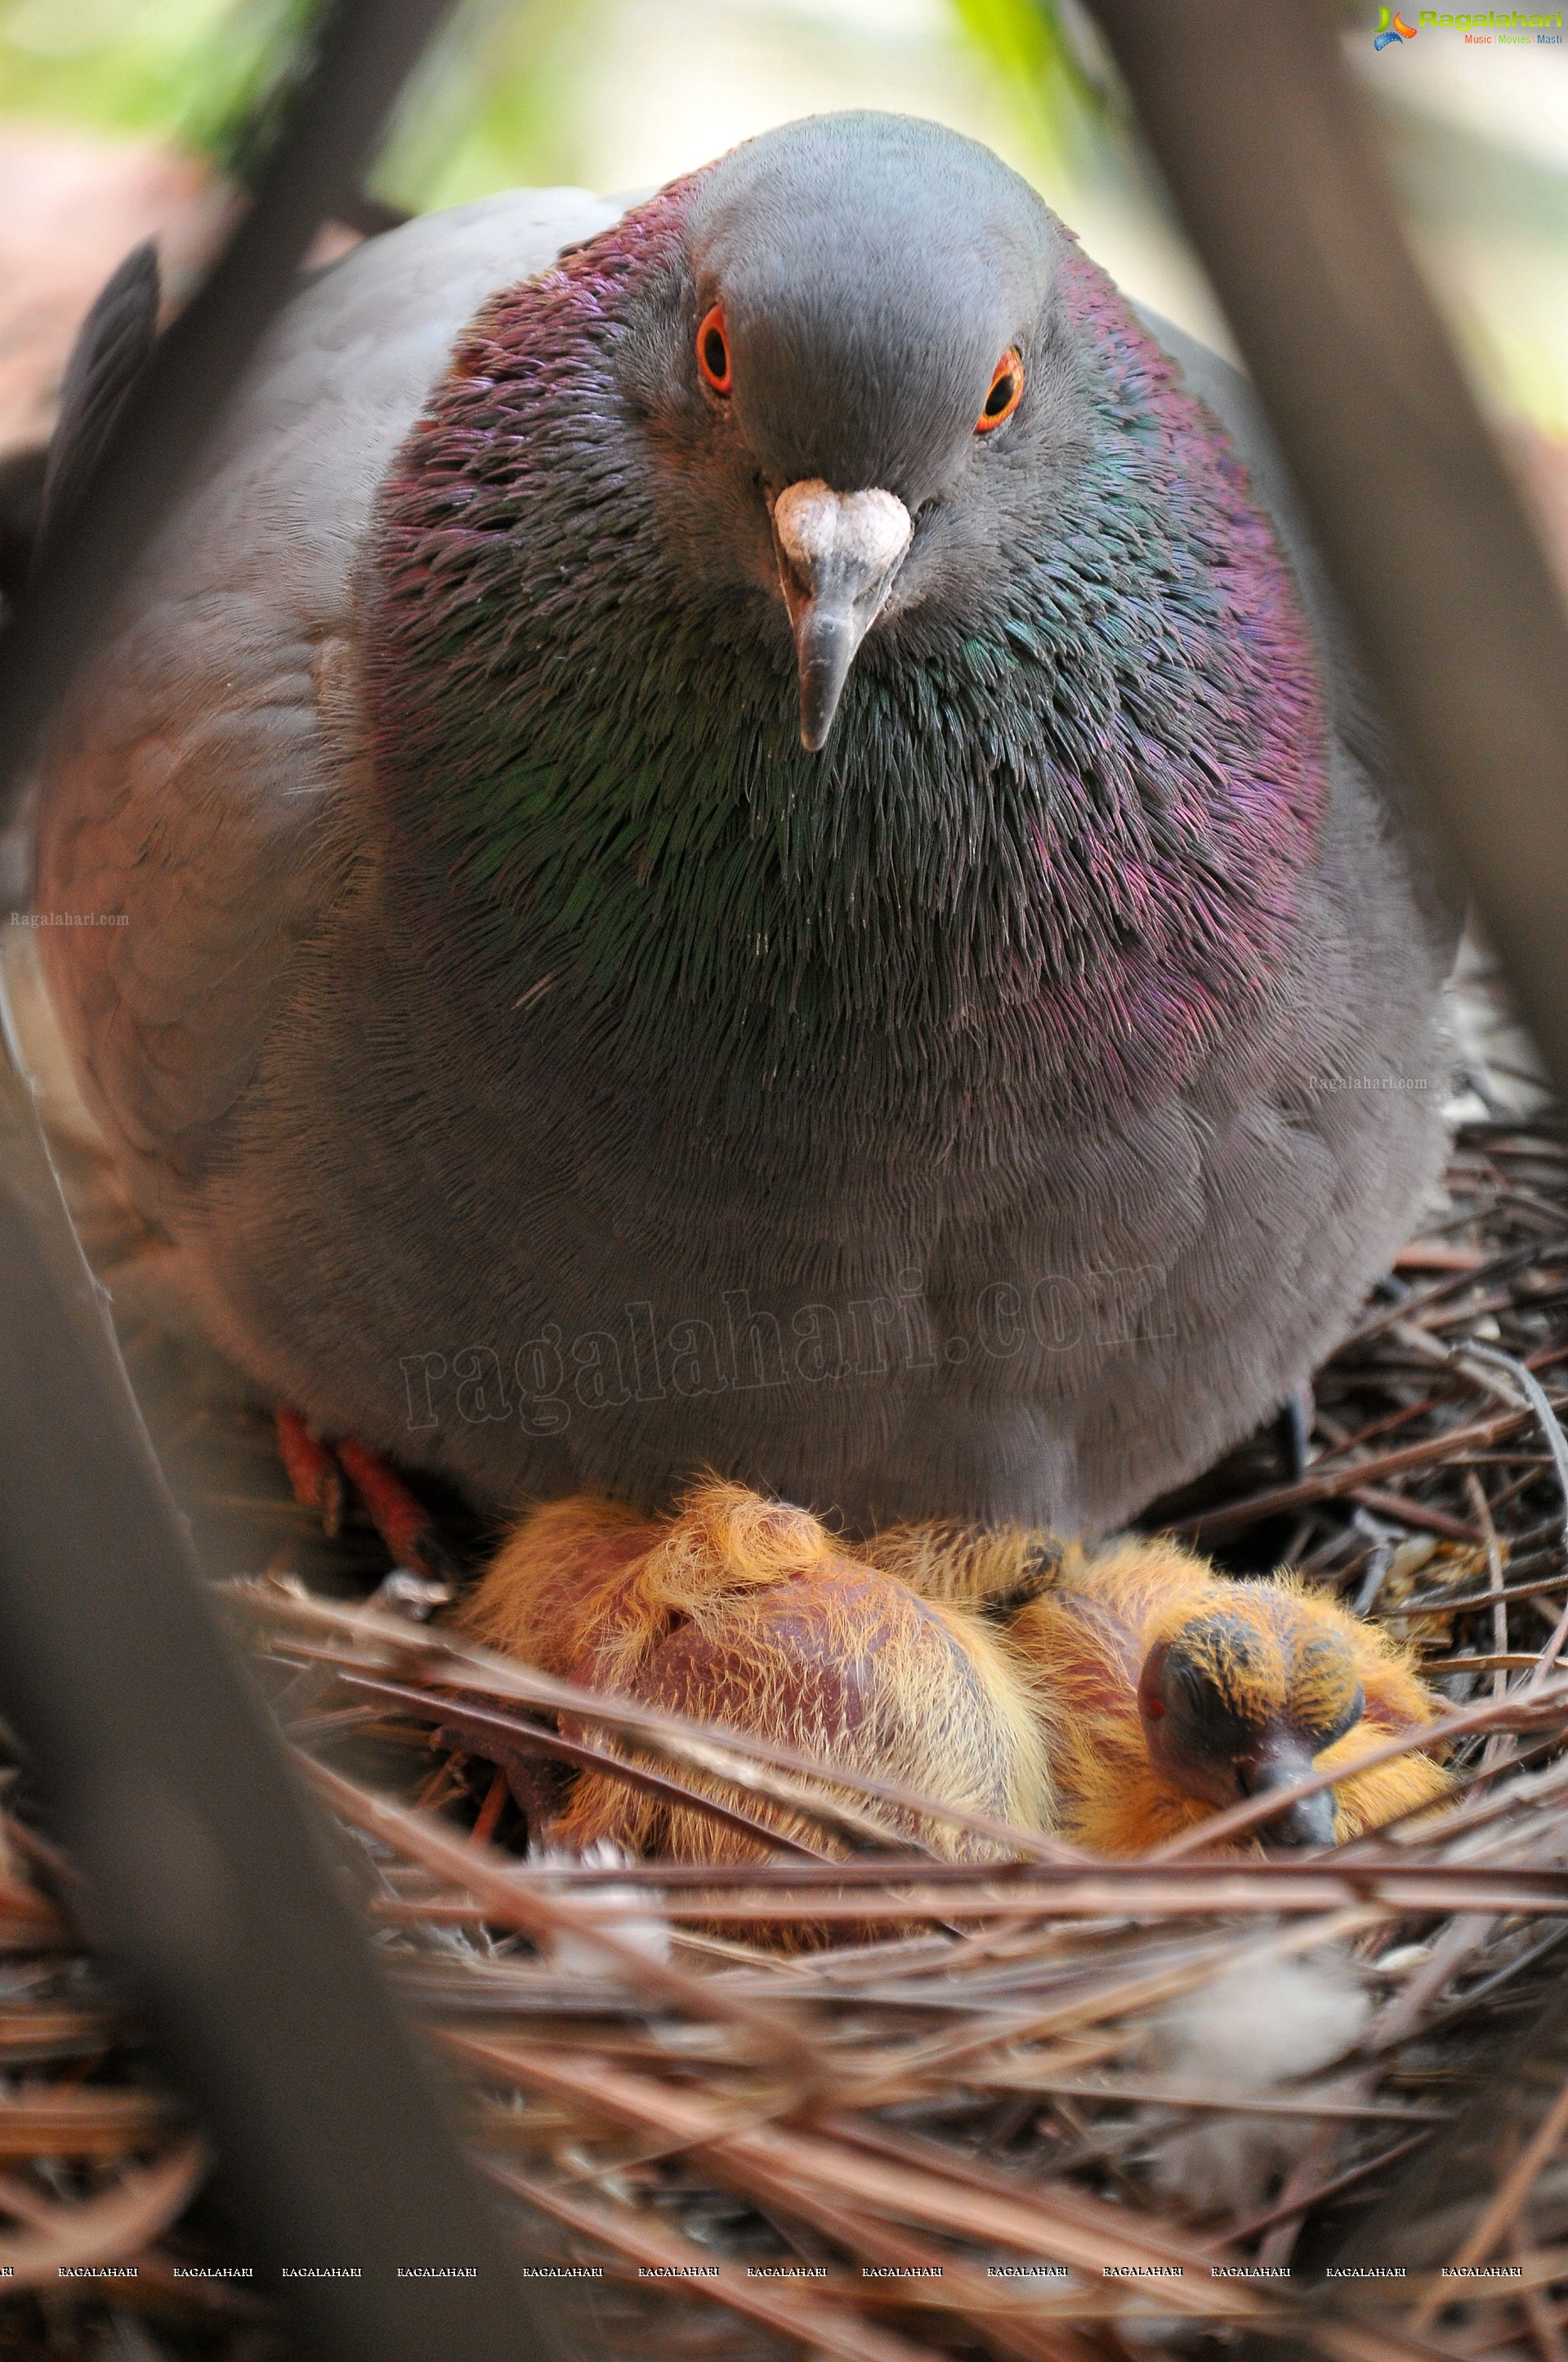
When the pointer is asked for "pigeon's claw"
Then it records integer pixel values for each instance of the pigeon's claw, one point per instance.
(311, 1471)
(321, 1473)
(402, 1521)
(838, 553)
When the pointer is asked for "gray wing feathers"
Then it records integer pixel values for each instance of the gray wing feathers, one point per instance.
(111, 345)
(191, 795)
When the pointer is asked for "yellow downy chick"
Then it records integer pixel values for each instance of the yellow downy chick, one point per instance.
(1175, 1691)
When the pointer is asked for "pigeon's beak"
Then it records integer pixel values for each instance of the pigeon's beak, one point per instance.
(837, 554)
(1279, 1762)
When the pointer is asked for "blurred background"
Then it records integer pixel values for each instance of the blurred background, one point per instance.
(122, 117)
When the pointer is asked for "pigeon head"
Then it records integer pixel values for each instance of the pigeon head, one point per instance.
(841, 440)
(855, 365)
(1240, 1699)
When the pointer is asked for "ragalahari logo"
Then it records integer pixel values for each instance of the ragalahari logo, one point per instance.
(1391, 29)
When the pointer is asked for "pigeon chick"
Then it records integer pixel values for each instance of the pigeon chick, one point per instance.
(735, 1609)
(744, 843)
(1175, 1691)
(1114, 1697)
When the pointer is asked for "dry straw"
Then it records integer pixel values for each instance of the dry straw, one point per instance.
(848, 2058)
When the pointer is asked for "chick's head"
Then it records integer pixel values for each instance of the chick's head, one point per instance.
(1241, 1698)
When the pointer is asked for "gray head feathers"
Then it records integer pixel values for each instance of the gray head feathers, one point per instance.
(872, 269)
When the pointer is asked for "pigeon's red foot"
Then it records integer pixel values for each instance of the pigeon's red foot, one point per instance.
(742, 1611)
(316, 1478)
(320, 1473)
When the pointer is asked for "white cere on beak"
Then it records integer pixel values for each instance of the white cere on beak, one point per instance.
(859, 535)
(838, 553)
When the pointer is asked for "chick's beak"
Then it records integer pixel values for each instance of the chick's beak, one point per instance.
(837, 554)
(1279, 1762)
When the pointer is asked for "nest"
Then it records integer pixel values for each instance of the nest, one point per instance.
(1032, 2105)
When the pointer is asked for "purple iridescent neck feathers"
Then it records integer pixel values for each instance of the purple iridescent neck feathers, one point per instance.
(1066, 800)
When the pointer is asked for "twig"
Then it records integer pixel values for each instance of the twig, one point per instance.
(831, 2329)
(513, 1903)
(367, 1642)
(1557, 1444)
(1499, 2217)
(1328, 1483)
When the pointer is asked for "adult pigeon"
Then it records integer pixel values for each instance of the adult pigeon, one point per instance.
(743, 840)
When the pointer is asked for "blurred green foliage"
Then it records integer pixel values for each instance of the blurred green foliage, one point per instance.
(548, 90)
(211, 76)
(206, 74)
(241, 75)
(485, 111)
(127, 65)
(1064, 104)
(488, 106)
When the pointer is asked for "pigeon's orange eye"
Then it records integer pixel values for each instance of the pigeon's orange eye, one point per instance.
(1007, 392)
(714, 351)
